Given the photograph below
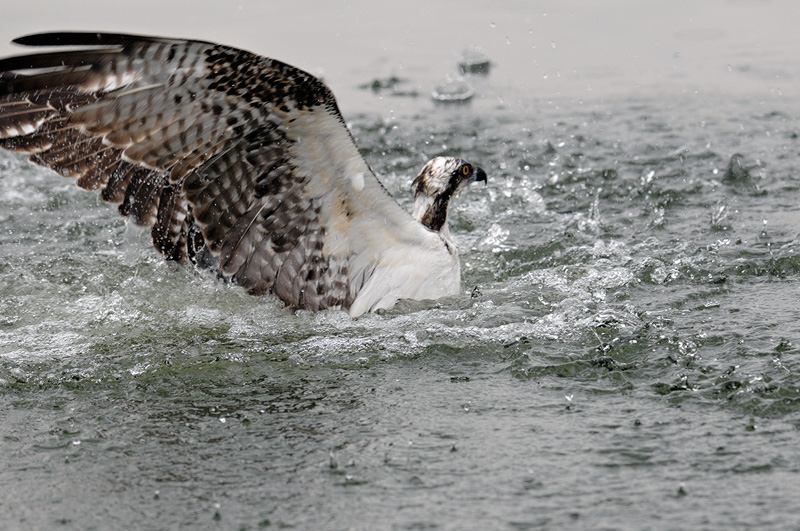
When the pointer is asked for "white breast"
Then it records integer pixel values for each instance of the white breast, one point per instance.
(416, 273)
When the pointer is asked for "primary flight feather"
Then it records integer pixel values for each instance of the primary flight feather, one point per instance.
(235, 161)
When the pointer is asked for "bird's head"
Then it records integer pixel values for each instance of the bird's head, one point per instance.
(438, 181)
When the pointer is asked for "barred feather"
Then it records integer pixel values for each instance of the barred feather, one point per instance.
(235, 161)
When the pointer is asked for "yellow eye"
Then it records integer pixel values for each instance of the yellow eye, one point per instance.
(465, 170)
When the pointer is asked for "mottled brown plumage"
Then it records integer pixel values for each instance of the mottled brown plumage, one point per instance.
(233, 160)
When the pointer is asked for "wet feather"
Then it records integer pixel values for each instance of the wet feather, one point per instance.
(236, 161)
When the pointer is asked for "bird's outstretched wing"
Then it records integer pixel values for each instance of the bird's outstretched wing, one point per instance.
(226, 155)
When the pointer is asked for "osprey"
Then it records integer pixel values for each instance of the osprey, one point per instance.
(235, 161)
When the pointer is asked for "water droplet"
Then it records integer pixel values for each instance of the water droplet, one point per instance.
(453, 90)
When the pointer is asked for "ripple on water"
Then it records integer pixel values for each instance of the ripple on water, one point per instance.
(609, 324)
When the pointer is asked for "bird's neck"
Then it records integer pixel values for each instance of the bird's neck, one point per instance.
(432, 211)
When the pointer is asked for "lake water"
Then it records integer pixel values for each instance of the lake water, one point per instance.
(625, 353)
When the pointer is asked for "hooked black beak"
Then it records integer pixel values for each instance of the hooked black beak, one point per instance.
(480, 175)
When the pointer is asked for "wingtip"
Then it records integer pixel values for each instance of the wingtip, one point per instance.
(71, 38)
(43, 39)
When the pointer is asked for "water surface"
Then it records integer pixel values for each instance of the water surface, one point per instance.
(624, 353)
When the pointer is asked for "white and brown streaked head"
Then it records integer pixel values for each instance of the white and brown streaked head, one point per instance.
(438, 181)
